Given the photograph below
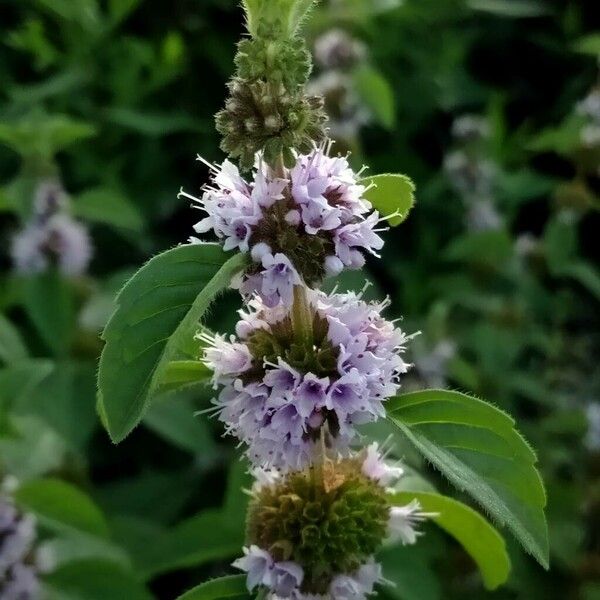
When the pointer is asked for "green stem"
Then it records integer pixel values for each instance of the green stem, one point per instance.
(302, 316)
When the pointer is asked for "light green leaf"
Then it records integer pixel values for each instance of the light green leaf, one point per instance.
(510, 8)
(390, 193)
(182, 373)
(158, 311)
(97, 580)
(109, 207)
(48, 300)
(230, 586)
(12, 347)
(588, 44)
(377, 95)
(477, 447)
(62, 507)
(482, 541)
(38, 134)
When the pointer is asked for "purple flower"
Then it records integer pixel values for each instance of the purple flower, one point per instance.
(283, 578)
(277, 406)
(277, 219)
(375, 467)
(278, 279)
(287, 577)
(18, 578)
(259, 566)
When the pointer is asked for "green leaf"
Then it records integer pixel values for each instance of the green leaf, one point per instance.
(476, 446)
(207, 537)
(121, 9)
(109, 207)
(48, 300)
(390, 192)
(12, 347)
(230, 586)
(182, 373)
(17, 381)
(174, 420)
(482, 541)
(97, 580)
(588, 44)
(377, 95)
(62, 507)
(510, 8)
(38, 134)
(158, 311)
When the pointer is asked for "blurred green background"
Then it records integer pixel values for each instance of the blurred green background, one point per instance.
(491, 106)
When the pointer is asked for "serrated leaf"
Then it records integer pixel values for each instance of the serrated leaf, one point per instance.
(157, 312)
(477, 447)
(230, 586)
(109, 207)
(62, 507)
(390, 193)
(377, 95)
(482, 541)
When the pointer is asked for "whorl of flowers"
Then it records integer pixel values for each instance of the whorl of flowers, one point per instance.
(18, 576)
(337, 49)
(313, 533)
(51, 237)
(327, 363)
(300, 225)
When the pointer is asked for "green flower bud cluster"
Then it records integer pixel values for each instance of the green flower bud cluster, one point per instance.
(268, 110)
(329, 518)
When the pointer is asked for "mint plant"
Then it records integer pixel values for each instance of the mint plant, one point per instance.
(307, 369)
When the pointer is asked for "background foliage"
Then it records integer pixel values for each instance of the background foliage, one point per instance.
(117, 98)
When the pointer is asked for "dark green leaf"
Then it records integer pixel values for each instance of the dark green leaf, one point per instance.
(390, 193)
(158, 311)
(477, 447)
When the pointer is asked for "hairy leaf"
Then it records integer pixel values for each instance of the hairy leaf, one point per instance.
(157, 312)
(477, 447)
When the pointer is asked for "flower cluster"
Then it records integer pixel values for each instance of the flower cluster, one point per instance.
(589, 108)
(18, 578)
(313, 533)
(299, 226)
(326, 364)
(51, 237)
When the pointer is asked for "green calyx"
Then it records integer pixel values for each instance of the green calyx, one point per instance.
(329, 519)
(268, 110)
(314, 355)
(281, 16)
(270, 59)
(264, 116)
